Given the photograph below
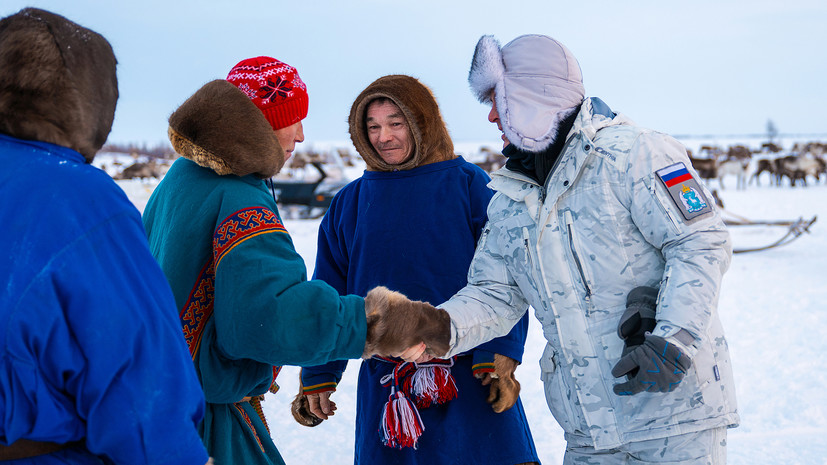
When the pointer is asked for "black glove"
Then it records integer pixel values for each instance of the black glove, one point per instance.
(639, 317)
(662, 365)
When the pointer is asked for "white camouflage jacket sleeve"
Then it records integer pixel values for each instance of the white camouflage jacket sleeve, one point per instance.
(489, 305)
(696, 252)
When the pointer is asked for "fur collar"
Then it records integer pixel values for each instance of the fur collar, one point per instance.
(57, 82)
(221, 129)
(432, 143)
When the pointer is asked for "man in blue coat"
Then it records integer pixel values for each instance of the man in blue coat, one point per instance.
(411, 223)
(93, 365)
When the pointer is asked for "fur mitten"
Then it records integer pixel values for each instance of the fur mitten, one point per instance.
(396, 323)
(300, 408)
(505, 389)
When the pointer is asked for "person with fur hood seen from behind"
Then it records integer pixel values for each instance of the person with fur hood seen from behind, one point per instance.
(93, 368)
(411, 223)
(604, 229)
(246, 306)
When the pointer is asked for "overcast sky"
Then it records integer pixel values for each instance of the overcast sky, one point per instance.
(686, 68)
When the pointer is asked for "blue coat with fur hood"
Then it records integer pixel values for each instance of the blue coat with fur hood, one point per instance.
(91, 353)
(413, 228)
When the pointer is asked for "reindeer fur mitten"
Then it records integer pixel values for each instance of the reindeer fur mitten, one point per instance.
(505, 389)
(300, 408)
(396, 323)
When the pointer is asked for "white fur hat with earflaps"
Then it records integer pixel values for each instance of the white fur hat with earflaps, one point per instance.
(536, 82)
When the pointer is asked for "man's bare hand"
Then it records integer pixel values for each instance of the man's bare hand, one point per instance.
(321, 406)
(412, 354)
(300, 408)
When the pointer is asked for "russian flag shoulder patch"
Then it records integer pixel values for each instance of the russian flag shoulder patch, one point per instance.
(684, 190)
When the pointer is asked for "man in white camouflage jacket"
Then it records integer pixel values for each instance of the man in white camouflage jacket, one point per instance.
(588, 208)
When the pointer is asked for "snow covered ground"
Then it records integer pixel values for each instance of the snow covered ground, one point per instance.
(773, 309)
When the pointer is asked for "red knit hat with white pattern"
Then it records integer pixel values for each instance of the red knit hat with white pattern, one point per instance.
(274, 87)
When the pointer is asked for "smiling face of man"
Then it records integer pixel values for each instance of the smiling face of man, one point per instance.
(388, 132)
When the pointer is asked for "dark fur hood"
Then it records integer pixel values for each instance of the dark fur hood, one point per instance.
(220, 128)
(432, 143)
(58, 82)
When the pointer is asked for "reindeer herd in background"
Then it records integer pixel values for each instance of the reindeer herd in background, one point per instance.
(803, 161)
(305, 192)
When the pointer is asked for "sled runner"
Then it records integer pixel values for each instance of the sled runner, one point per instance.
(795, 228)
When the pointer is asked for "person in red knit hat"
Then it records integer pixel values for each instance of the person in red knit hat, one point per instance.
(246, 306)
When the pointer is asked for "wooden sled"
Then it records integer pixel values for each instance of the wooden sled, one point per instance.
(795, 228)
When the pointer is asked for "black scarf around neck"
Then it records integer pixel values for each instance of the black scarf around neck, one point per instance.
(538, 165)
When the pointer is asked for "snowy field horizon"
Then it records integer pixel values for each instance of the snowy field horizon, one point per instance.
(772, 306)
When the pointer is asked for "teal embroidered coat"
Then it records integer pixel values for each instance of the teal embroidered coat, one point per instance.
(246, 304)
(242, 287)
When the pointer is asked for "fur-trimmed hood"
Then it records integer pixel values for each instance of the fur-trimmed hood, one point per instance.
(58, 81)
(220, 128)
(432, 143)
(536, 81)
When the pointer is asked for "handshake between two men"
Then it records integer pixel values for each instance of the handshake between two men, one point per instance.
(396, 327)
(416, 332)
(399, 327)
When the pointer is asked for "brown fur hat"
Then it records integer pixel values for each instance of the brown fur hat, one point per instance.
(58, 82)
(432, 143)
(220, 128)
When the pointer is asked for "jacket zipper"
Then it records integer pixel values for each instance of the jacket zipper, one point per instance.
(576, 256)
(554, 167)
(664, 282)
(652, 190)
(527, 242)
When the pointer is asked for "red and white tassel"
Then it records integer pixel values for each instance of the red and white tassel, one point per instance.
(432, 385)
(401, 424)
